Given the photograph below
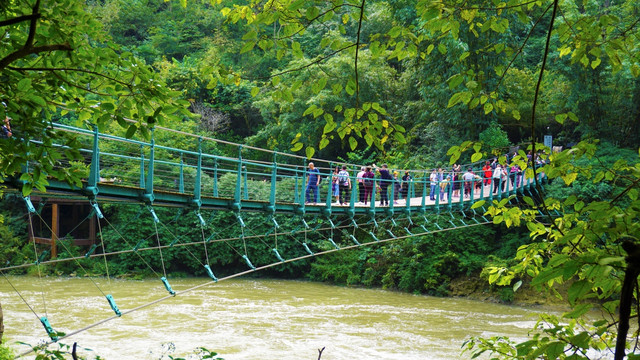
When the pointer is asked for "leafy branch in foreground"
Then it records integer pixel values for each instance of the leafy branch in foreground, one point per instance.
(55, 62)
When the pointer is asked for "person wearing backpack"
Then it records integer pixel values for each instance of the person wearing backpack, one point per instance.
(368, 180)
(345, 185)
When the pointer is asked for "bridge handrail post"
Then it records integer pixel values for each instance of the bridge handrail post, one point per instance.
(197, 191)
(215, 177)
(424, 192)
(330, 189)
(94, 172)
(148, 195)
(274, 176)
(142, 185)
(303, 189)
(353, 181)
(245, 193)
(181, 180)
(296, 194)
(237, 194)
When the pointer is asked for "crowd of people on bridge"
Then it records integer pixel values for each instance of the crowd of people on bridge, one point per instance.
(444, 185)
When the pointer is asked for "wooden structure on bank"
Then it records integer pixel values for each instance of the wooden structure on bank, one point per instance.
(61, 218)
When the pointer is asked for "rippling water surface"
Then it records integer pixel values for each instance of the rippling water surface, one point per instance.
(255, 319)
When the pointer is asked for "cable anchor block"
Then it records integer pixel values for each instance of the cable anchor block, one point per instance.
(96, 209)
(91, 250)
(275, 251)
(27, 201)
(306, 247)
(202, 222)
(153, 213)
(246, 259)
(135, 248)
(41, 257)
(113, 305)
(240, 220)
(52, 333)
(275, 223)
(210, 273)
(167, 286)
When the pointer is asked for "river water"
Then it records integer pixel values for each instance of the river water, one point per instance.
(254, 319)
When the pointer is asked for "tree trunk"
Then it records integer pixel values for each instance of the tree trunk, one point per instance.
(1, 324)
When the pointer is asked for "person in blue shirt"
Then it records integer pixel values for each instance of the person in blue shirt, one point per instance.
(312, 183)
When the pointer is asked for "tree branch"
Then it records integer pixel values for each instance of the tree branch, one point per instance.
(22, 52)
(358, 48)
(304, 66)
(19, 19)
(71, 69)
(32, 25)
(535, 103)
(522, 47)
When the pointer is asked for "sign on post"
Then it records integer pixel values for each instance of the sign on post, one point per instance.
(548, 141)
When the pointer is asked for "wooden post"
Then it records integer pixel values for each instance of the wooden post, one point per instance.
(55, 229)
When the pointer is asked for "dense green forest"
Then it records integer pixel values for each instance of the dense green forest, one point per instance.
(415, 84)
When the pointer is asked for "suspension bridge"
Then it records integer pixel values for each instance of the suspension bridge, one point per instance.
(197, 179)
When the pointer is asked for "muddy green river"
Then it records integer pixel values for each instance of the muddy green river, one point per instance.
(253, 319)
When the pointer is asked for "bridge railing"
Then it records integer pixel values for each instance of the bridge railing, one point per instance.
(198, 169)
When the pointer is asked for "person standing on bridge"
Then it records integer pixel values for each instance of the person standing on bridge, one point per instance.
(5, 130)
(406, 179)
(335, 186)
(360, 180)
(312, 184)
(433, 178)
(468, 179)
(368, 180)
(385, 181)
(345, 185)
(487, 172)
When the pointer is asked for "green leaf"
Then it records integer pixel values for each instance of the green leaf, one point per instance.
(255, 91)
(554, 349)
(248, 47)
(478, 204)
(455, 80)
(517, 285)
(297, 147)
(547, 275)
(488, 107)
(353, 143)
(569, 178)
(131, 131)
(312, 12)
(395, 32)
(577, 290)
(516, 114)
(351, 87)
(476, 157)
(310, 151)
(24, 84)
